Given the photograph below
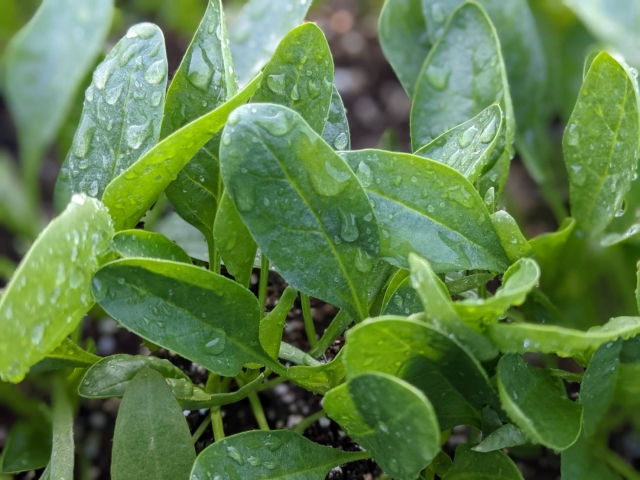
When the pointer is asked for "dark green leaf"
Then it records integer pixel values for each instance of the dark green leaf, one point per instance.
(426, 207)
(43, 69)
(65, 355)
(584, 460)
(132, 192)
(140, 243)
(152, 438)
(284, 180)
(336, 129)
(379, 412)
(121, 117)
(257, 31)
(27, 447)
(504, 437)
(198, 314)
(272, 324)
(538, 404)
(62, 451)
(418, 353)
(468, 464)
(600, 144)
(51, 290)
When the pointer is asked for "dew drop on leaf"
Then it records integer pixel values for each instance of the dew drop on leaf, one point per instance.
(156, 72)
(276, 83)
(438, 77)
(200, 71)
(341, 141)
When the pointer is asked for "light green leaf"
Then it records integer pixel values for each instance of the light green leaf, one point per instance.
(152, 438)
(276, 455)
(562, 341)
(401, 24)
(16, 210)
(272, 324)
(284, 180)
(428, 208)
(121, 116)
(400, 298)
(467, 147)
(62, 451)
(503, 437)
(186, 236)
(257, 31)
(51, 290)
(379, 412)
(198, 314)
(132, 192)
(65, 355)
(600, 144)
(143, 244)
(27, 447)
(438, 310)
(584, 460)
(422, 355)
(612, 239)
(202, 83)
(300, 75)
(547, 248)
(451, 88)
(319, 379)
(43, 70)
(517, 282)
(481, 466)
(513, 241)
(538, 404)
(336, 128)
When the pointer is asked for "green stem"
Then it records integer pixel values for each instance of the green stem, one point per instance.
(271, 383)
(214, 259)
(256, 407)
(619, 465)
(338, 325)
(264, 280)
(308, 320)
(295, 355)
(201, 428)
(216, 424)
(310, 420)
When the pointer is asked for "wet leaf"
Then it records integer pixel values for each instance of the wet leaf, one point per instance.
(283, 178)
(152, 438)
(379, 412)
(503, 437)
(272, 324)
(512, 240)
(143, 244)
(336, 128)
(481, 466)
(321, 378)
(51, 290)
(537, 403)
(65, 355)
(196, 313)
(121, 116)
(400, 298)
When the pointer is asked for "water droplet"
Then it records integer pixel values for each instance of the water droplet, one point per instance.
(200, 70)
(363, 172)
(88, 93)
(437, 13)
(102, 74)
(623, 208)
(156, 72)
(465, 138)
(363, 262)
(295, 94)
(277, 126)
(142, 30)
(579, 176)
(243, 197)
(490, 197)
(83, 137)
(137, 134)
(156, 98)
(93, 189)
(112, 95)
(37, 333)
(339, 175)
(438, 77)
(349, 229)
(128, 54)
(226, 139)
(235, 455)
(313, 87)
(489, 132)
(573, 138)
(276, 83)
(216, 345)
(341, 141)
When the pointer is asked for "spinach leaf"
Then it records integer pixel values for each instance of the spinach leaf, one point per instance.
(283, 178)
(121, 116)
(537, 403)
(426, 207)
(584, 460)
(152, 438)
(319, 378)
(336, 128)
(503, 437)
(140, 243)
(201, 315)
(27, 447)
(481, 466)
(400, 298)
(65, 355)
(51, 290)
(379, 412)
(272, 324)
(512, 240)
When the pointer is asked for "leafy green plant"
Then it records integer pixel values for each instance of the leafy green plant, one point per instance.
(452, 316)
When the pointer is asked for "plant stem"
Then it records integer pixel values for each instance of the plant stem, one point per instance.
(216, 423)
(295, 355)
(214, 260)
(256, 406)
(271, 383)
(310, 420)
(338, 325)
(201, 428)
(264, 280)
(308, 320)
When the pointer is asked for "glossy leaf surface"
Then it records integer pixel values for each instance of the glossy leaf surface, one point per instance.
(121, 116)
(336, 128)
(378, 411)
(504, 437)
(51, 290)
(512, 240)
(481, 466)
(140, 243)
(283, 178)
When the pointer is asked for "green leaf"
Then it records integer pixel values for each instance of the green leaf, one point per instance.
(152, 438)
(257, 31)
(43, 69)
(564, 342)
(537, 403)
(428, 208)
(284, 180)
(611, 239)
(513, 241)
(272, 324)
(319, 379)
(62, 451)
(16, 210)
(468, 282)
(601, 143)
(186, 236)
(202, 83)
(300, 76)
(481, 466)
(503, 437)
(547, 248)
(438, 310)
(51, 290)
(422, 355)
(65, 355)
(336, 128)
(518, 281)
(143, 244)
(451, 88)
(276, 455)
(198, 314)
(132, 192)
(121, 116)
(400, 298)
(467, 147)
(584, 460)
(27, 447)
(379, 412)
(401, 24)
(598, 386)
